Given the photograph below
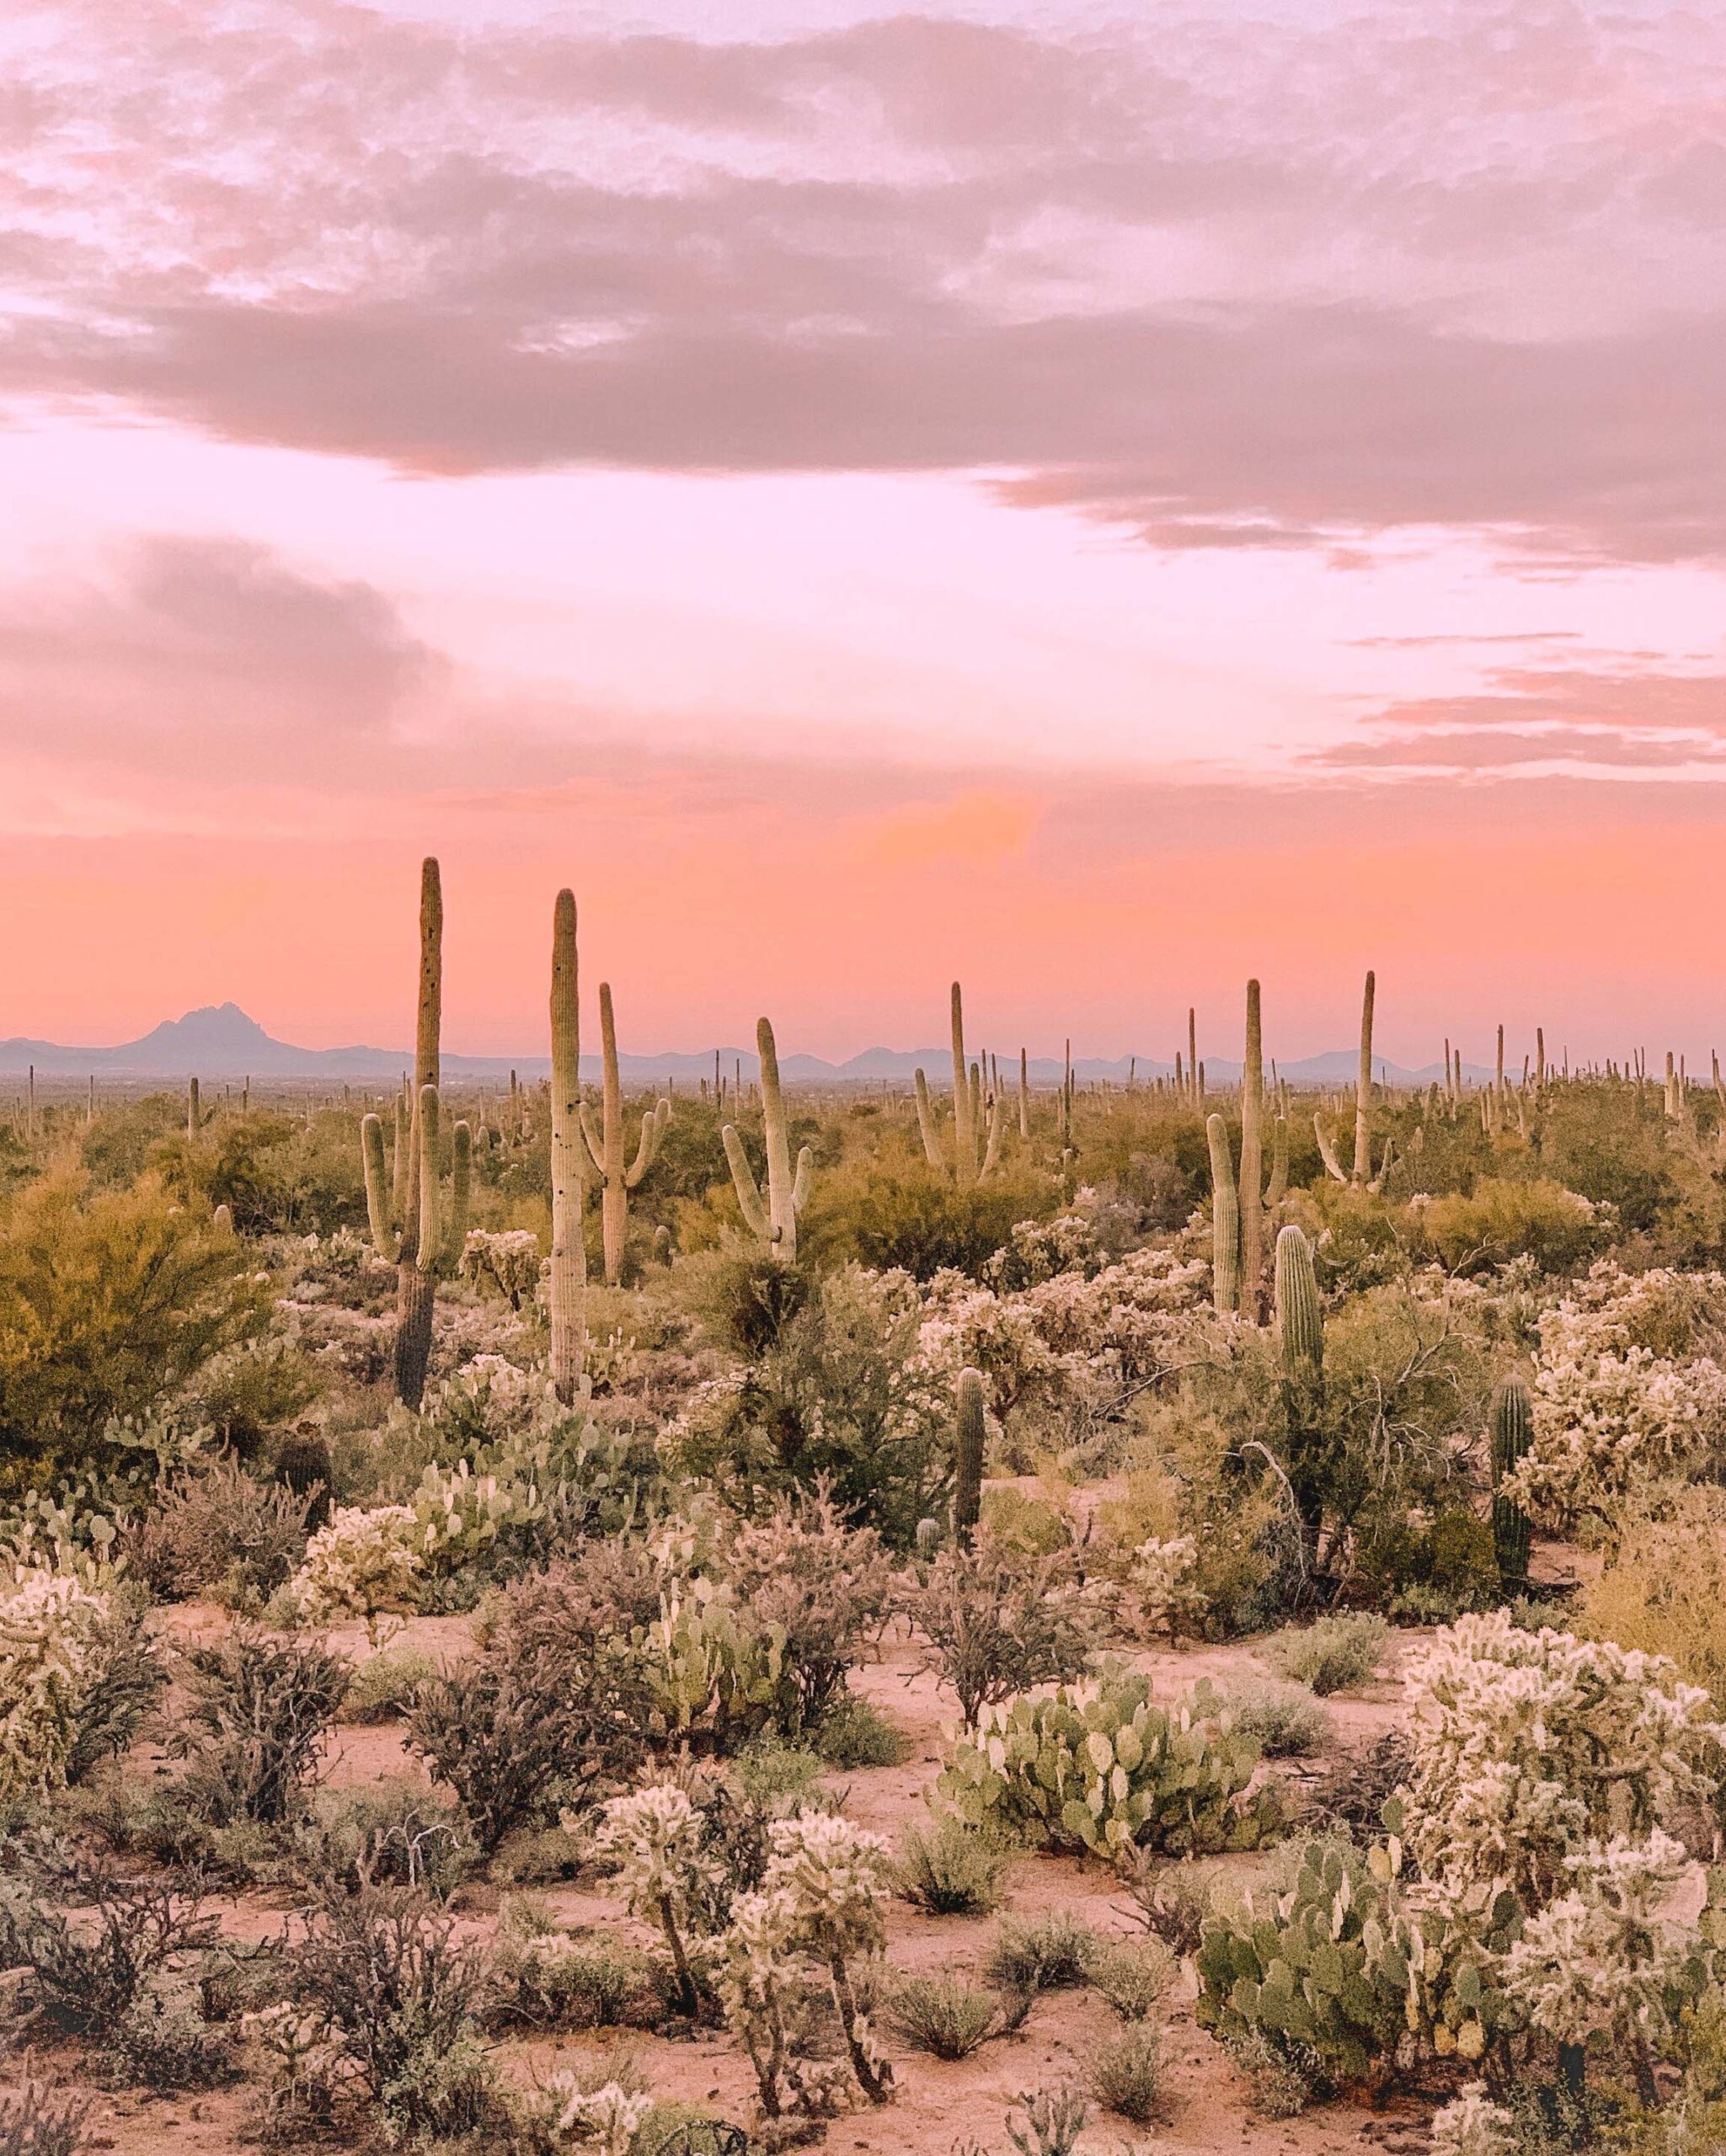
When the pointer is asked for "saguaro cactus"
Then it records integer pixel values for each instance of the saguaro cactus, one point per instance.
(968, 1458)
(1225, 1219)
(775, 1219)
(976, 1128)
(409, 1225)
(194, 1113)
(606, 1146)
(1250, 1201)
(1363, 1089)
(569, 1270)
(1512, 1434)
(1300, 1325)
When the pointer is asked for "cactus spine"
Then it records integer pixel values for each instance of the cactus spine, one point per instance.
(411, 1231)
(774, 1221)
(606, 1146)
(1512, 1432)
(569, 1267)
(1362, 1089)
(968, 1458)
(1225, 1219)
(1250, 1202)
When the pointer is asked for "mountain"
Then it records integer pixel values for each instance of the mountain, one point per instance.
(222, 1041)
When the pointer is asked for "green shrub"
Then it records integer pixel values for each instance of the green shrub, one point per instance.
(1134, 1975)
(1052, 1953)
(949, 2018)
(1282, 2078)
(1285, 1720)
(1126, 2074)
(915, 1220)
(384, 1686)
(543, 1977)
(949, 1869)
(1097, 1767)
(1333, 1654)
(854, 1732)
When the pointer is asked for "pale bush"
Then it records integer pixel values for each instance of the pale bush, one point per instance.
(50, 1635)
(364, 1562)
(656, 1839)
(1471, 2125)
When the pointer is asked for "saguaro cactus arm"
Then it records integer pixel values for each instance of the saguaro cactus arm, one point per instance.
(653, 1129)
(1327, 1151)
(1362, 1089)
(926, 1124)
(385, 1239)
(748, 1196)
(964, 1128)
(594, 1141)
(801, 1181)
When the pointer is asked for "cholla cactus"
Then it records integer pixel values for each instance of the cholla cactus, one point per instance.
(654, 1838)
(1605, 1962)
(606, 1146)
(1527, 1744)
(1161, 1596)
(608, 2117)
(49, 1627)
(757, 1990)
(837, 1878)
(1471, 2125)
(363, 1563)
(509, 1260)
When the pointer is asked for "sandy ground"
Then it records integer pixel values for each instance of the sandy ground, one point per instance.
(939, 2107)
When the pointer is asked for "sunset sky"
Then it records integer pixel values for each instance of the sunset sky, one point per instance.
(1098, 502)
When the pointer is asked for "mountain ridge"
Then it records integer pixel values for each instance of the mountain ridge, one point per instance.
(220, 1040)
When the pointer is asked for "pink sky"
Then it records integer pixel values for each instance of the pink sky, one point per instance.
(1097, 503)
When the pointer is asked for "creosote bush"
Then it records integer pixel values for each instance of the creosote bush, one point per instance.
(1331, 1654)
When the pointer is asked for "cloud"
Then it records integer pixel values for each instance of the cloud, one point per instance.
(1230, 285)
(198, 654)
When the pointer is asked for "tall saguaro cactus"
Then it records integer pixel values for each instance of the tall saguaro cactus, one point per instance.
(1363, 1089)
(774, 1219)
(568, 1267)
(1225, 1219)
(1300, 1325)
(606, 1146)
(409, 1224)
(1512, 1432)
(968, 1458)
(976, 1130)
(1252, 1207)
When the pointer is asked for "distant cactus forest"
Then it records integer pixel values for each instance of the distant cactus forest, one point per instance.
(966, 1617)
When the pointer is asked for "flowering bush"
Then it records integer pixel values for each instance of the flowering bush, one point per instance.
(50, 1630)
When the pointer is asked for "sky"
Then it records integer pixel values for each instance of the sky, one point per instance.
(1098, 502)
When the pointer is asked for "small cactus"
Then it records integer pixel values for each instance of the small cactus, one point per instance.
(1225, 1219)
(1512, 1433)
(968, 1458)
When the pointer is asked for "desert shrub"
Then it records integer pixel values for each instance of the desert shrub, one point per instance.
(363, 1561)
(86, 1972)
(1285, 1720)
(1435, 1569)
(1049, 1953)
(163, 2041)
(914, 1220)
(1331, 1654)
(854, 1732)
(1500, 1220)
(841, 1395)
(248, 1393)
(1351, 1793)
(392, 1833)
(217, 1526)
(385, 1983)
(949, 1870)
(994, 1623)
(75, 1681)
(1665, 1586)
(1282, 2077)
(1168, 1904)
(1134, 1975)
(384, 1686)
(950, 2019)
(822, 1587)
(545, 1977)
(1097, 1767)
(1327, 1967)
(1047, 2122)
(252, 1725)
(37, 2120)
(109, 1305)
(1126, 2074)
(511, 1735)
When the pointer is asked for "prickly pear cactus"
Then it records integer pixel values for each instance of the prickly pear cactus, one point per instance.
(1096, 1767)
